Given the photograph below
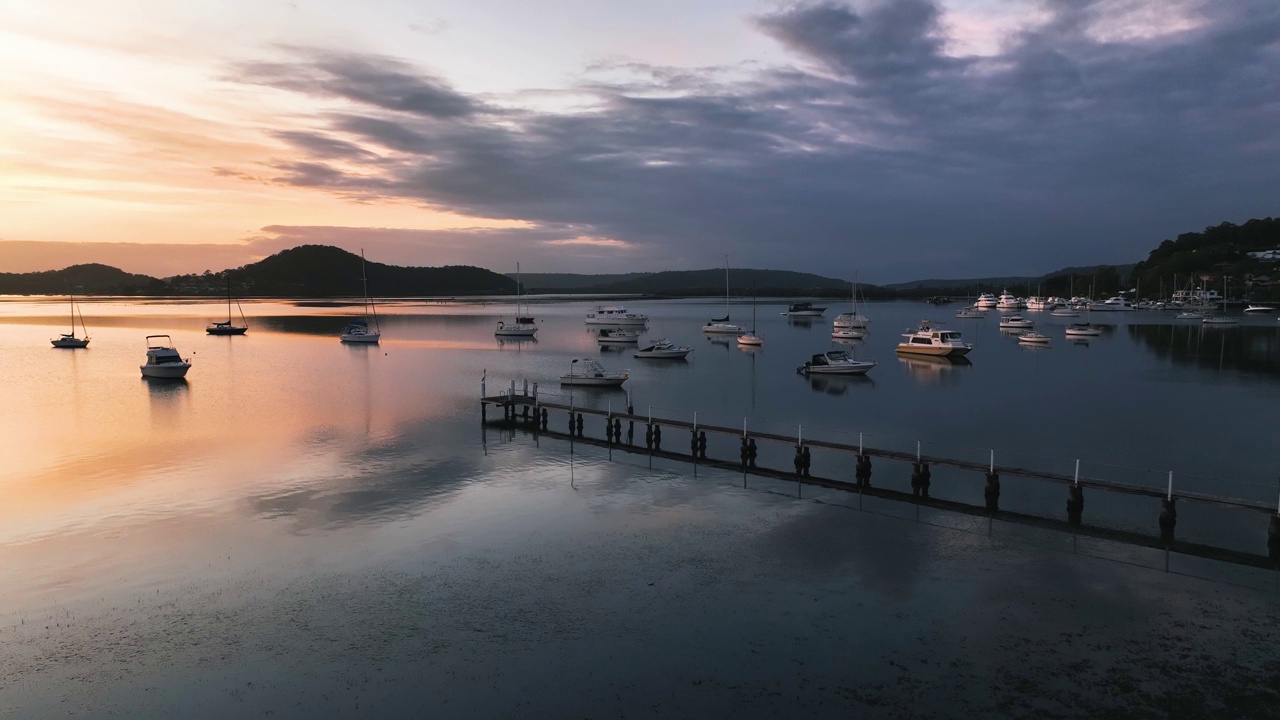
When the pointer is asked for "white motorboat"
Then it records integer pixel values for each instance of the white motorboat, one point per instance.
(722, 326)
(1008, 301)
(227, 327)
(615, 315)
(1082, 330)
(589, 372)
(1015, 321)
(359, 331)
(929, 340)
(1189, 315)
(971, 313)
(1033, 338)
(986, 301)
(835, 362)
(163, 360)
(1220, 320)
(523, 326)
(804, 309)
(69, 340)
(847, 334)
(663, 350)
(1065, 312)
(1038, 303)
(1112, 304)
(1259, 309)
(851, 320)
(617, 336)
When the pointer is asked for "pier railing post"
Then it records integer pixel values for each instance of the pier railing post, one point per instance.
(1075, 498)
(1168, 514)
(992, 490)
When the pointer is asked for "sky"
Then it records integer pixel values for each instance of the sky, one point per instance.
(900, 139)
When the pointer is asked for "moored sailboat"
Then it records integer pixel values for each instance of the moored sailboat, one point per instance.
(360, 331)
(70, 340)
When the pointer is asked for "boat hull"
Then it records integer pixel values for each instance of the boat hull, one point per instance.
(805, 313)
(166, 371)
(662, 354)
(856, 369)
(70, 343)
(516, 332)
(226, 330)
(362, 339)
(722, 329)
(619, 321)
(933, 350)
(584, 381)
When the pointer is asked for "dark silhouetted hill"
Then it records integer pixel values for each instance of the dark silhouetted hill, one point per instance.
(91, 279)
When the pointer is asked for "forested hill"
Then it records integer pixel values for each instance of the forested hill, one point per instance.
(90, 279)
(1216, 251)
(325, 271)
(742, 282)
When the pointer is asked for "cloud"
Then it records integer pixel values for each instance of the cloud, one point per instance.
(1088, 136)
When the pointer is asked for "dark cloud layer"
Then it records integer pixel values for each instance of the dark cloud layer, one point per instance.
(877, 149)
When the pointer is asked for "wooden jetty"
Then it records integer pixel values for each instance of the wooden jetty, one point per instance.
(522, 408)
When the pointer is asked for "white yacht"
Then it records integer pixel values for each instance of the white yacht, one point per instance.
(1189, 315)
(848, 334)
(663, 350)
(835, 362)
(928, 340)
(971, 312)
(851, 320)
(1082, 330)
(589, 372)
(1259, 309)
(69, 340)
(163, 360)
(523, 326)
(1033, 338)
(986, 301)
(1015, 321)
(1113, 304)
(1038, 303)
(616, 336)
(359, 331)
(615, 315)
(1008, 301)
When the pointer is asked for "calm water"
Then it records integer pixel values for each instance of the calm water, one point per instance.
(304, 527)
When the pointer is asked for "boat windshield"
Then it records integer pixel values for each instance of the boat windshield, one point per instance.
(838, 356)
(951, 335)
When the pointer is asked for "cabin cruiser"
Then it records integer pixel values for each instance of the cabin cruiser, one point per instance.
(1259, 309)
(163, 360)
(835, 362)
(1008, 301)
(589, 372)
(971, 312)
(928, 340)
(663, 350)
(1082, 330)
(615, 315)
(847, 334)
(1114, 304)
(357, 331)
(1065, 312)
(1220, 320)
(1033, 338)
(1039, 303)
(1015, 321)
(614, 335)
(804, 309)
(1189, 315)
(986, 301)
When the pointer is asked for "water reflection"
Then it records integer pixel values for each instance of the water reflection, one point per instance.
(1252, 349)
(930, 370)
(838, 384)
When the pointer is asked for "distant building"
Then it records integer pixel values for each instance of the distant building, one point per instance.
(1266, 255)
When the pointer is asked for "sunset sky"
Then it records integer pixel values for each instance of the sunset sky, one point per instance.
(905, 139)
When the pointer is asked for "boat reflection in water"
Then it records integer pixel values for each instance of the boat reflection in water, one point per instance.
(933, 369)
(839, 384)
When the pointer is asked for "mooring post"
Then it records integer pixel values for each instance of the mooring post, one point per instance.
(484, 375)
(512, 394)
(1168, 515)
(1075, 498)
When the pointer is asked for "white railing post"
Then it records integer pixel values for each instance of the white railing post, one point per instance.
(1169, 495)
(695, 422)
(744, 428)
(993, 460)
(917, 451)
(860, 444)
(1077, 480)
(800, 435)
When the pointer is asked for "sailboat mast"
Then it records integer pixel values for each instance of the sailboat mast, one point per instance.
(519, 292)
(73, 313)
(228, 298)
(726, 287)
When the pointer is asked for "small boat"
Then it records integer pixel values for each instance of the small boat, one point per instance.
(851, 320)
(971, 313)
(358, 331)
(1259, 309)
(1113, 304)
(986, 301)
(1065, 312)
(663, 350)
(1015, 321)
(722, 326)
(847, 334)
(929, 340)
(163, 360)
(1082, 330)
(1038, 303)
(750, 338)
(804, 309)
(1220, 320)
(69, 340)
(1008, 301)
(1189, 315)
(615, 335)
(615, 315)
(589, 372)
(523, 326)
(227, 328)
(1033, 338)
(835, 362)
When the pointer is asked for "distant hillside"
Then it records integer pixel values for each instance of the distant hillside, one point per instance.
(771, 283)
(324, 271)
(1218, 251)
(90, 279)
